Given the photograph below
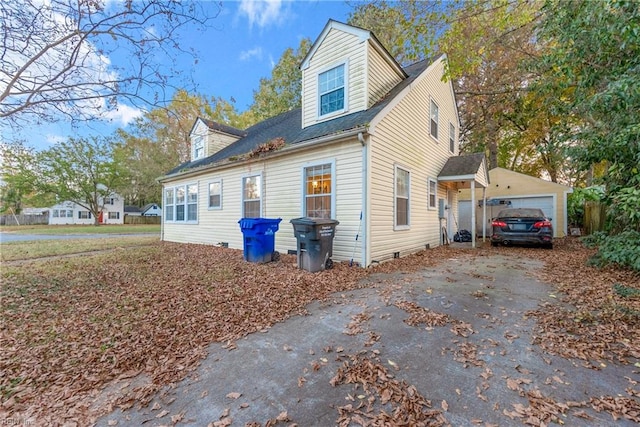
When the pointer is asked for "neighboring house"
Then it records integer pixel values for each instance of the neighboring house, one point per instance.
(367, 148)
(151, 209)
(66, 213)
(132, 210)
(516, 190)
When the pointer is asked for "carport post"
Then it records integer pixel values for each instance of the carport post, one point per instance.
(473, 213)
(484, 213)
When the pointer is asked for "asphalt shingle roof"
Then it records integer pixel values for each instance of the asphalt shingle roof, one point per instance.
(288, 126)
(467, 164)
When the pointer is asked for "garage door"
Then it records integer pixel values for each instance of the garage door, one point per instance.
(545, 203)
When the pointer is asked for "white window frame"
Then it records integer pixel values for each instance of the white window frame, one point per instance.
(345, 107)
(110, 215)
(173, 208)
(169, 208)
(332, 194)
(86, 216)
(260, 197)
(55, 213)
(396, 196)
(432, 104)
(432, 192)
(452, 138)
(198, 144)
(210, 206)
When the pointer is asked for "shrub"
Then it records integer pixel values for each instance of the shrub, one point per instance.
(622, 249)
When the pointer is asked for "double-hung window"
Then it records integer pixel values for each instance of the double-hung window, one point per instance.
(181, 203)
(402, 191)
(114, 215)
(318, 191)
(180, 198)
(84, 215)
(251, 196)
(433, 127)
(192, 202)
(198, 147)
(169, 203)
(432, 193)
(331, 90)
(452, 138)
(215, 195)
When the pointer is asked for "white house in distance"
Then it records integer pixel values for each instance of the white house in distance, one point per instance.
(71, 213)
(374, 146)
(150, 209)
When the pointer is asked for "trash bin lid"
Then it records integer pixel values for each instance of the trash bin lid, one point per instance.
(313, 221)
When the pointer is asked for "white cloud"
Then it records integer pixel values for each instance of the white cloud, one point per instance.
(262, 12)
(54, 139)
(124, 114)
(246, 55)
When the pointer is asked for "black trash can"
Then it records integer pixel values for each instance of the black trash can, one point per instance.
(315, 242)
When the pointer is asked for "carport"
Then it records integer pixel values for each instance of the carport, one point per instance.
(468, 172)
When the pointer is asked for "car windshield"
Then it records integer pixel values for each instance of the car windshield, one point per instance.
(521, 213)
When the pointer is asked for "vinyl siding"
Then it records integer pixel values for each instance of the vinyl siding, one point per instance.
(217, 141)
(335, 49)
(282, 198)
(402, 138)
(381, 77)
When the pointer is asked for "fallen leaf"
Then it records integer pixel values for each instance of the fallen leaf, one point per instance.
(445, 406)
(234, 395)
(283, 416)
(162, 414)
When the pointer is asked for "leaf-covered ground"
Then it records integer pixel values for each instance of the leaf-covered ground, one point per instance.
(71, 326)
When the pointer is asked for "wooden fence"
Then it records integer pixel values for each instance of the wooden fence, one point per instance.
(24, 219)
(595, 215)
(137, 219)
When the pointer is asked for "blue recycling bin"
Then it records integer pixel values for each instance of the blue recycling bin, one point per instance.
(259, 235)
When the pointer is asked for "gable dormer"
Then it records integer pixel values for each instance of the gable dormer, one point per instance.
(209, 137)
(346, 70)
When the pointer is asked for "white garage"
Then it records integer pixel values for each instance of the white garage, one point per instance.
(516, 190)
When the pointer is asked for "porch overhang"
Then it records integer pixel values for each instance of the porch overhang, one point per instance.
(469, 171)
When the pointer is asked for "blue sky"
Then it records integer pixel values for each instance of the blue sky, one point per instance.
(241, 46)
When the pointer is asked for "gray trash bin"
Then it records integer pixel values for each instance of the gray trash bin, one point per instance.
(315, 242)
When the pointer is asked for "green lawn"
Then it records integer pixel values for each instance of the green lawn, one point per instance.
(33, 249)
(81, 229)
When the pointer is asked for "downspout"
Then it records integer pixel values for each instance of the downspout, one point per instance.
(162, 218)
(365, 201)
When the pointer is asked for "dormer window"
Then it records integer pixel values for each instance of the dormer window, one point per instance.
(198, 147)
(332, 90)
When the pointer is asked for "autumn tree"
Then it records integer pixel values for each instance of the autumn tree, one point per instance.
(409, 29)
(591, 64)
(82, 171)
(160, 140)
(487, 44)
(283, 90)
(55, 55)
(19, 171)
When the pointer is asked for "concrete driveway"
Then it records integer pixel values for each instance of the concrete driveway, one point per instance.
(480, 368)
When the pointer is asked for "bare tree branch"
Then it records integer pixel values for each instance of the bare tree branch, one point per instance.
(56, 56)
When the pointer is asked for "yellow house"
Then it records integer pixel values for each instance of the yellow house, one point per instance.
(517, 190)
(367, 147)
